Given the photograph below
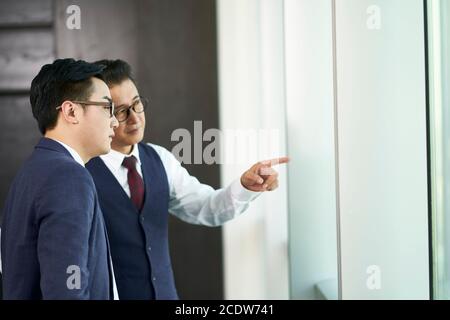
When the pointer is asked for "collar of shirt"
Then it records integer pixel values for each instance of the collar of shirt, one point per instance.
(114, 158)
(72, 152)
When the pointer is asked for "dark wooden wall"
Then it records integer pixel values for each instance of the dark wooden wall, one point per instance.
(26, 43)
(171, 44)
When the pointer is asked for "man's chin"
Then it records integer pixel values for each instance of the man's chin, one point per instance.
(124, 143)
(133, 139)
(106, 150)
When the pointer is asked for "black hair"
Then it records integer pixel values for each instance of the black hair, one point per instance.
(64, 79)
(115, 71)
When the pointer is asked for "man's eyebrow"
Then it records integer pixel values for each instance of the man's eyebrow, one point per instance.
(107, 98)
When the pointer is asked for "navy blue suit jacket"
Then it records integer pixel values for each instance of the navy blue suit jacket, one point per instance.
(53, 239)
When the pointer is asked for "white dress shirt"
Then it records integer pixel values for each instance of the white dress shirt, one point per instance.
(189, 199)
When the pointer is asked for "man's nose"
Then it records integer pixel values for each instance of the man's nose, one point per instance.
(114, 122)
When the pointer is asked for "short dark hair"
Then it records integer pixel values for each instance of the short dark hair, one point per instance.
(115, 71)
(64, 79)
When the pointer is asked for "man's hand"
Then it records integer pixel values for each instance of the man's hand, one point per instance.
(261, 176)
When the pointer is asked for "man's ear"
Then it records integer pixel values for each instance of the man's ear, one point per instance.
(69, 112)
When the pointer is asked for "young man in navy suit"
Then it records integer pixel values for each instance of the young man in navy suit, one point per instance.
(138, 184)
(53, 239)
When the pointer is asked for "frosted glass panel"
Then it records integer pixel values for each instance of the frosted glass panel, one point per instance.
(439, 82)
(310, 129)
(381, 110)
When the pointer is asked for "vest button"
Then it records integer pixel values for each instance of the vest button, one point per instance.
(142, 219)
(154, 279)
(149, 248)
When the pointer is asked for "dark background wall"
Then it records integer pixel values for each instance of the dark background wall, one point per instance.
(171, 44)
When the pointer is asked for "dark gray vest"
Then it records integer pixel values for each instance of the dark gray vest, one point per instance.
(138, 240)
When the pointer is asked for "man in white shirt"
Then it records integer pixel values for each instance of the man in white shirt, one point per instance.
(138, 184)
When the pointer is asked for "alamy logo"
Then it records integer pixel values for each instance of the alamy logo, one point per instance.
(228, 146)
(374, 17)
(74, 19)
(373, 281)
(74, 280)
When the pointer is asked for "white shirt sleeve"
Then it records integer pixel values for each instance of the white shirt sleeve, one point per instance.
(198, 203)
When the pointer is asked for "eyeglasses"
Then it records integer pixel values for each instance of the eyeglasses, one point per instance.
(138, 106)
(105, 104)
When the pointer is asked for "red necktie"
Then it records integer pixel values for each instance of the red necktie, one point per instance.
(135, 182)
